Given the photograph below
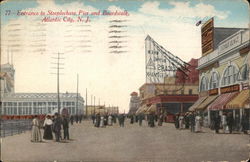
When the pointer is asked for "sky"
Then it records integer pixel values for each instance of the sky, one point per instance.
(86, 47)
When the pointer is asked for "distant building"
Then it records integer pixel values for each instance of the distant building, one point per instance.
(33, 103)
(134, 103)
(40, 103)
(175, 95)
(102, 109)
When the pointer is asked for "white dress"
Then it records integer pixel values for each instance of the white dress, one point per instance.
(110, 120)
(197, 124)
(35, 133)
(181, 122)
(102, 122)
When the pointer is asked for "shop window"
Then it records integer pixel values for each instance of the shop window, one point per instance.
(203, 84)
(214, 81)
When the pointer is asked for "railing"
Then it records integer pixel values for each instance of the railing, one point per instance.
(12, 127)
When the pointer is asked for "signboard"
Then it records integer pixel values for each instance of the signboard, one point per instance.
(157, 65)
(230, 43)
(213, 92)
(207, 32)
(233, 88)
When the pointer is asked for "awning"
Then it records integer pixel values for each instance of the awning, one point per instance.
(140, 109)
(205, 103)
(197, 103)
(152, 108)
(221, 101)
(238, 101)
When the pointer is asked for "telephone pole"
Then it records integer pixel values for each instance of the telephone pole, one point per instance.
(86, 103)
(77, 94)
(58, 67)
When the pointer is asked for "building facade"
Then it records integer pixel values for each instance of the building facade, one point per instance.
(175, 95)
(224, 77)
(40, 103)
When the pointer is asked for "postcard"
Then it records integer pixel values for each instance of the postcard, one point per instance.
(124, 80)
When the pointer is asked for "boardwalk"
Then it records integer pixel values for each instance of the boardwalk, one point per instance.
(132, 143)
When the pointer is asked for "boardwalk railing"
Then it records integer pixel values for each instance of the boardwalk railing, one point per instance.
(12, 127)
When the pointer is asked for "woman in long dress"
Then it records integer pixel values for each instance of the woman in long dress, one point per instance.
(197, 123)
(47, 128)
(110, 120)
(102, 122)
(35, 133)
(181, 121)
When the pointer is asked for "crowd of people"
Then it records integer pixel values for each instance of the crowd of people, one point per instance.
(53, 124)
(189, 120)
(103, 120)
(227, 122)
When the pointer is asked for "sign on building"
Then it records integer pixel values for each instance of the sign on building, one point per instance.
(207, 40)
(158, 64)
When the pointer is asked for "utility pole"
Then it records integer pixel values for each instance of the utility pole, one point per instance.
(94, 104)
(86, 103)
(77, 94)
(58, 67)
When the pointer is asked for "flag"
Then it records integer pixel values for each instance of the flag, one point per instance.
(198, 23)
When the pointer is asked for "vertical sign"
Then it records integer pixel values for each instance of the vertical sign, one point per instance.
(207, 32)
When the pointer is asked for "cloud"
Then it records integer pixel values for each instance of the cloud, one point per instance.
(182, 9)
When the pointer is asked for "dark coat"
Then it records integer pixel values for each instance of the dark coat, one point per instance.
(57, 124)
(65, 123)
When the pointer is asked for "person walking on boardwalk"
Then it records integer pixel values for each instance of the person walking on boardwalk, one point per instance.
(57, 127)
(151, 119)
(131, 119)
(224, 122)
(186, 120)
(230, 122)
(36, 133)
(110, 120)
(198, 123)
(192, 121)
(71, 119)
(140, 118)
(102, 122)
(97, 120)
(47, 125)
(176, 121)
(217, 121)
(181, 121)
(76, 118)
(244, 123)
(160, 120)
(65, 124)
(121, 120)
(93, 118)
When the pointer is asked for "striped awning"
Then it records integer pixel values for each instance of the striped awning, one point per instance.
(205, 103)
(221, 101)
(142, 109)
(152, 108)
(239, 101)
(197, 103)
